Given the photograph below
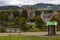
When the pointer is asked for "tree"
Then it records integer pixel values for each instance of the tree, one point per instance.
(32, 19)
(16, 13)
(39, 22)
(2, 29)
(16, 21)
(5, 17)
(38, 12)
(55, 18)
(48, 11)
(24, 14)
(22, 24)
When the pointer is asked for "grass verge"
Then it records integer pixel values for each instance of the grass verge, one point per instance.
(25, 38)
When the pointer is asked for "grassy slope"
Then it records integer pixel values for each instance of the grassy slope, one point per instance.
(25, 38)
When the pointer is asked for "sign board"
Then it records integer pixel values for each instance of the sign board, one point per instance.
(51, 23)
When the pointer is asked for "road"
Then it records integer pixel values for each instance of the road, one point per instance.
(27, 33)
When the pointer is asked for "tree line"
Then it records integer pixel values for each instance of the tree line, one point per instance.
(17, 19)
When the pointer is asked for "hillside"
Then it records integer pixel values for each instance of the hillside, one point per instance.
(43, 5)
(9, 7)
(37, 6)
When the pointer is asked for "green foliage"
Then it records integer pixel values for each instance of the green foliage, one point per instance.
(32, 19)
(5, 14)
(34, 29)
(31, 28)
(28, 27)
(4, 17)
(39, 22)
(2, 29)
(16, 21)
(24, 14)
(22, 20)
(22, 23)
(55, 18)
(16, 13)
(48, 11)
(37, 12)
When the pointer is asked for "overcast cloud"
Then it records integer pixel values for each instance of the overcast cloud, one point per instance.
(27, 2)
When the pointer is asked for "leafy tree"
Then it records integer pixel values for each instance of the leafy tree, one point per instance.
(22, 23)
(24, 14)
(16, 21)
(55, 18)
(50, 11)
(37, 12)
(39, 22)
(2, 29)
(32, 19)
(5, 17)
(16, 14)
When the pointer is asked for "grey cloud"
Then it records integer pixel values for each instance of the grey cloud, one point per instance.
(29, 2)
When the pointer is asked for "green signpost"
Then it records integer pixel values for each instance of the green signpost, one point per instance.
(51, 27)
(51, 23)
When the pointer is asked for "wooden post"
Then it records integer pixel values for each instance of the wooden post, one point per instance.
(52, 30)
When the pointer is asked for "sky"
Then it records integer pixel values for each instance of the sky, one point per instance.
(27, 2)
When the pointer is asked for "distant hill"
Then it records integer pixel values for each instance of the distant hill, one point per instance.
(9, 7)
(37, 6)
(43, 5)
(52, 6)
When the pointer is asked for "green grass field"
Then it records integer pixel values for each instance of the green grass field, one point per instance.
(25, 38)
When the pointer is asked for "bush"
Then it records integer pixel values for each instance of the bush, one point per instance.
(2, 29)
(39, 22)
(27, 28)
(32, 28)
(32, 19)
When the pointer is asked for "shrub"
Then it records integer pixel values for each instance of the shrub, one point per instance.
(2, 29)
(32, 28)
(32, 19)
